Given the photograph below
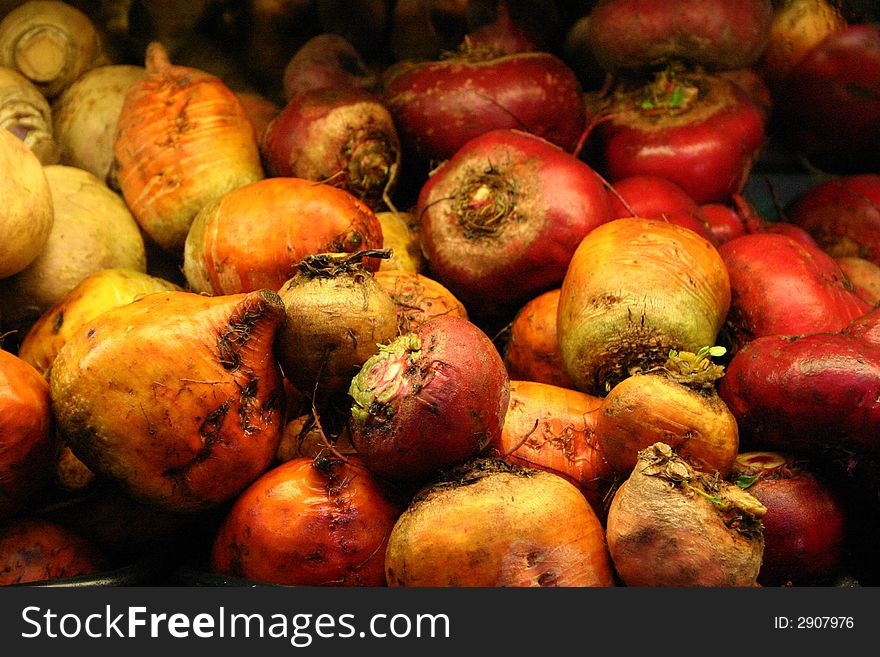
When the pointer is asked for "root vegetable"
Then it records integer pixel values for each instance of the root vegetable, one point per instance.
(532, 349)
(36, 550)
(184, 423)
(401, 235)
(92, 229)
(428, 400)
(635, 289)
(805, 525)
(336, 317)
(418, 298)
(85, 117)
(843, 215)
(864, 276)
(653, 197)
(183, 140)
(97, 292)
(672, 525)
(231, 248)
(554, 429)
(492, 524)
(440, 105)
(699, 130)
(806, 394)
(51, 43)
(260, 110)
(320, 522)
(27, 214)
(838, 77)
(326, 60)
(784, 287)
(676, 404)
(343, 137)
(25, 112)
(27, 438)
(797, 26)
(644, 34)
(303, 436)
(502, 218)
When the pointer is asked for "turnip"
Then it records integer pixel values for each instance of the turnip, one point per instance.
(93, 229)
(27, 212)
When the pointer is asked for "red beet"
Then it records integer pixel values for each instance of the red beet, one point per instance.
(810, 394)
(828, 107)
(501, 219)
(805, 523)
(843, 215)
(501, 35)
(439, 105)
(344, 137)
(724, 222)
(326, 60)
(651, 197)
(780, 286)
(429, 400)
(715, 34)
(700, 131)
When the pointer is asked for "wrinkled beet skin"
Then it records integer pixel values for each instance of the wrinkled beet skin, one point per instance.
(557, 200)
(829, 105)
(452, 405)
(709, 154)
(717, 34)
(782, 287)
(842, 215)
(440, 105)
(806, 394)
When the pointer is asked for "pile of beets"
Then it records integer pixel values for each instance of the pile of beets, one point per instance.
(617, 354)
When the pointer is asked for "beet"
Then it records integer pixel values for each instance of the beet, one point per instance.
(439, 105)
(839, 77)
(810, 394)
(429, 400)
(501, 219)
(714, 34)
(343, 137)
(780, 286)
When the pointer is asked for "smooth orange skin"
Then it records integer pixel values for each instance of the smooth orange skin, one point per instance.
(155, 396)
(35, 550)
(254, 237)
(646, 408)
(309, 523)
(532, 352)
(27, 440)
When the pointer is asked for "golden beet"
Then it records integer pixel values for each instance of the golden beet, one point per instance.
(176, 395)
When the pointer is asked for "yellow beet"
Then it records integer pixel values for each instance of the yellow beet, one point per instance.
(175, 396)
(103, 290)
